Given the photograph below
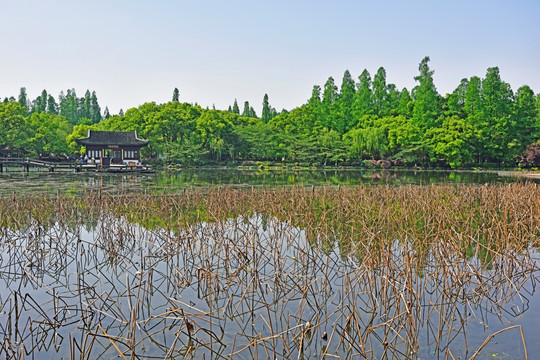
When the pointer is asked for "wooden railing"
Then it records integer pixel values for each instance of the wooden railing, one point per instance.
(27, 163)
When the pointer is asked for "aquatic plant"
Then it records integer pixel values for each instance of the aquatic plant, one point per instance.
(353, 272)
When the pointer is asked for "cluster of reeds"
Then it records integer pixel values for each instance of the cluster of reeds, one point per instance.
(295, 272)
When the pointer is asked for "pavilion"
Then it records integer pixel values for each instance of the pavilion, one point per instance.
(10, 151)
(116, 147)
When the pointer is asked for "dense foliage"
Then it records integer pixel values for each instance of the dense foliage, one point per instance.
(483, 122)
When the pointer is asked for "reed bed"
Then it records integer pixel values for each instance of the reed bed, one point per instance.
(377, 272)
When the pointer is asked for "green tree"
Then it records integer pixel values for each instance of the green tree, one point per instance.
(176, 95)
(266, 115)
(85, 106)
(315, 99)
(495, 120)
(52, 106)
(235, 108)
(40, 103)
(472, 97)
(215, 130)
(95, 109)
(524, 125)
(392, 100)
(456, 100)
(252, 112)
(253, 141)
(451, 143)
(106, 113)
(538, 107)
(13, 129)
(49, 134)
(330, 95)
(345, 101)
(23, 99)
(405, 103)
(426, 104)
(78, 131)
(331, 148)
(247, 110)
(380, 92)
(363, 103)
(367, 142)
(69, 106)
(475, 118)
(405, 142)
(496, 95)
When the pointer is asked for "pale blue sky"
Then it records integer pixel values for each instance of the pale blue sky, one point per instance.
(131, 52)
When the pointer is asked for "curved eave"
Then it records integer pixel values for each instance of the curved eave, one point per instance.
(85, 142)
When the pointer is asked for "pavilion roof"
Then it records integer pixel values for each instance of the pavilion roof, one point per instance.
(6, 149)
(121, 138)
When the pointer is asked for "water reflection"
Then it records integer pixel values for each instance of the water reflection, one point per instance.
(73, 183)
(321, 177)
(252, 287)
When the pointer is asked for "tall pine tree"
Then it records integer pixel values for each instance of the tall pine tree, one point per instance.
(235, 108)
(426, 102)
(344, 120)
(330, 95)
(405, 103)
(363, 103)
(247, 110)
(69, 106)
(496, 109)
(106, 113)
(52, 106)
(456, 100)
(524, 124)
(23, 99)
(315, 99)
(95, 109)
(380, 91)
(266, 111)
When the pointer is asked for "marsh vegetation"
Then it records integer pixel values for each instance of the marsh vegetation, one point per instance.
(376, 272)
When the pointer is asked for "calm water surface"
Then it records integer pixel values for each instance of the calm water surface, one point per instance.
(173, 181)
(250, 287)
(212, 290)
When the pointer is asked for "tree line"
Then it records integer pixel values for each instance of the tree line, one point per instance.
(482, 123)
(76, 110)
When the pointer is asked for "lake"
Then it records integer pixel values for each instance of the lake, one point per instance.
(170, 265)
(17, 181)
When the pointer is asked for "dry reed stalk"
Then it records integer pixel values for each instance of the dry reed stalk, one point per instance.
(488, 339)
(331, 255)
